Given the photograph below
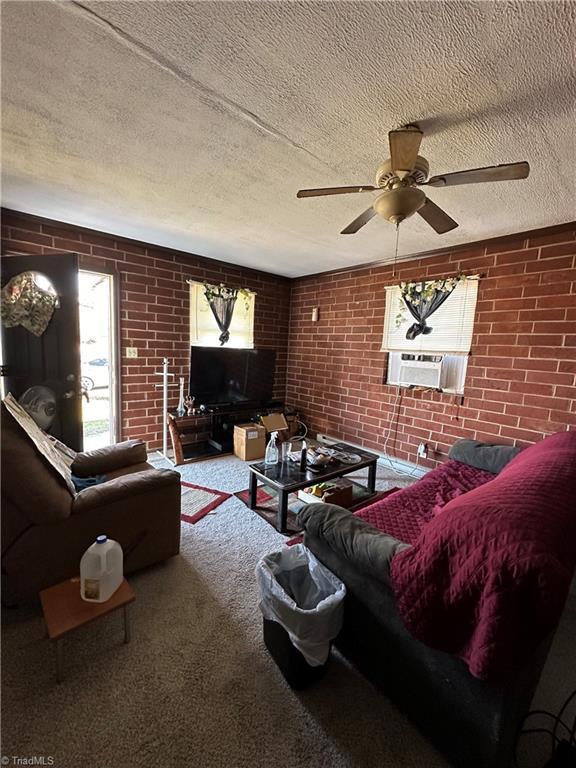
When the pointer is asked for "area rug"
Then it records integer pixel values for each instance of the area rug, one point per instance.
(197, 501)
(267, 507)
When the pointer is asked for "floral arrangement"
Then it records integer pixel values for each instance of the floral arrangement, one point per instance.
(416, 293)
(29, 299)
(222, 291)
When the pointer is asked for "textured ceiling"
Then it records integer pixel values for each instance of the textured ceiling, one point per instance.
(192, 125)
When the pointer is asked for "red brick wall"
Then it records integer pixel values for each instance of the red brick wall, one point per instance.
(520, 382)
(521, 375)
(154, 307)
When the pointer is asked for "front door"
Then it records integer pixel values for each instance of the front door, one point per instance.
(43, 372)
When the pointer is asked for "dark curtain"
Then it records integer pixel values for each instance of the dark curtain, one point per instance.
(423, 308)
(223, 309)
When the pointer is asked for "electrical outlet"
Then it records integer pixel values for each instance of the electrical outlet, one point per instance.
(422, 451)
(131, 351)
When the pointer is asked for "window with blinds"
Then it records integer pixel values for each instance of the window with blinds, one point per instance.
(452, 324)
(204, 331)
(437, 360)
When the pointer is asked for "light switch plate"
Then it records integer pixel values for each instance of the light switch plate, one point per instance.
(131, 351)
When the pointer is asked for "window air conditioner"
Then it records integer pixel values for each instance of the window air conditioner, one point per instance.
(421, 372)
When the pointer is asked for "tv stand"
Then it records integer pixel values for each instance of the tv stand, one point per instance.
(211, 432)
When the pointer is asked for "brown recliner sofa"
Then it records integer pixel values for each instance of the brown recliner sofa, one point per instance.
(46, 529)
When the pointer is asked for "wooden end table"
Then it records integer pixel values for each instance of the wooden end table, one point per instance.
(286, 477)
(64, 611)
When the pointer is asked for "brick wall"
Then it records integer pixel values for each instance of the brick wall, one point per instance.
(154, 307)
(520, 382)
(521, 375)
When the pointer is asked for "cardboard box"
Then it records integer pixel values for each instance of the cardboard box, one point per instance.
(274, 422)
(339, 492)
(249, 441)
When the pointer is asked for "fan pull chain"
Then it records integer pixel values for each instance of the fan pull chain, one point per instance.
(396, 249)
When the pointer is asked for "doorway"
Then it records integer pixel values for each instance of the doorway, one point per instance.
(98, 356)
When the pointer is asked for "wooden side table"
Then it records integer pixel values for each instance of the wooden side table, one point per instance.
(64, 611)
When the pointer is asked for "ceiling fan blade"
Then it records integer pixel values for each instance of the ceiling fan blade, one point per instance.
(506, 172)
(359, 222)
(436, 217)
(333, 191)
(404, 146)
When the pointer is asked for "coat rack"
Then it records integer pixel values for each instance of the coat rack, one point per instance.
(165, 374)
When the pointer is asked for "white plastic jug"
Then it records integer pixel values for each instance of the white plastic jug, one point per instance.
(101, 570)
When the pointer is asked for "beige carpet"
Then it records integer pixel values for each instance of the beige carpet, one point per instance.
(196, 686)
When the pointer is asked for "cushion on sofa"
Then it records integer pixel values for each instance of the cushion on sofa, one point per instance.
(110, 458)
(405, 513)
(370, 550)
(488, 578)
(492, 458)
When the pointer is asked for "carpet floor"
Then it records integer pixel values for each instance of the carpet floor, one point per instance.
(196, 686)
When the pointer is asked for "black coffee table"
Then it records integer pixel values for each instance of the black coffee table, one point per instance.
(286, 477)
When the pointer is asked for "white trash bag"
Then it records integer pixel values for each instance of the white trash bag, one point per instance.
(304, 597)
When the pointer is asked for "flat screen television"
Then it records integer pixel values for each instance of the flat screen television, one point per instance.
(231, 376)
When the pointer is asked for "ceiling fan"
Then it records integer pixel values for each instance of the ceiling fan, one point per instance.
(399, 178)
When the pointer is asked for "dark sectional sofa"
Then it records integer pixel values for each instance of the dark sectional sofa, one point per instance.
(473, 719)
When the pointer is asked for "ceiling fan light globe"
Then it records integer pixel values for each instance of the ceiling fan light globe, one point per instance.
(398, 204)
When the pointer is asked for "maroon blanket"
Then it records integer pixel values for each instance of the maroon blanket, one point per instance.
(405, 513)
(488, 576)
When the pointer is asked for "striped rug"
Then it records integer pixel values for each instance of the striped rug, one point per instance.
(198, 501)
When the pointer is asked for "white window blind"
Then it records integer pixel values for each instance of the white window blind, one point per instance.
(204, 331)
(452, 324)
